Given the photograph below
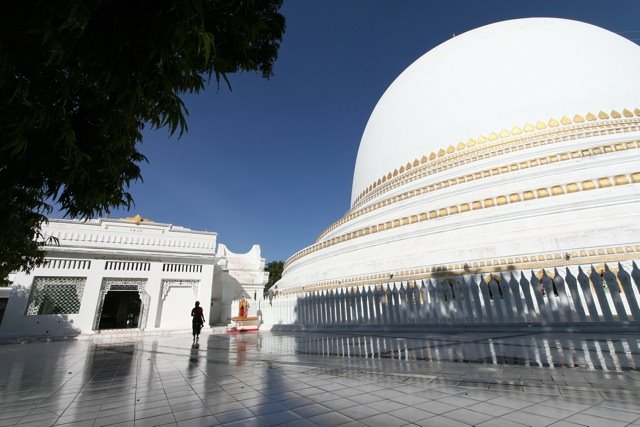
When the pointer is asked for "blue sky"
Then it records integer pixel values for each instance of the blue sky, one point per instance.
(271, 162)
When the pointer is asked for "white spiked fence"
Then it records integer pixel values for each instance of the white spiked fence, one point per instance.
(568, 295)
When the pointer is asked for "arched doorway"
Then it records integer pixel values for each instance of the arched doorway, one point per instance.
(120, 310)
(123, 304)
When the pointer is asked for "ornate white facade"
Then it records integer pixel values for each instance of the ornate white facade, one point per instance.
(513, 148)
(132, 273)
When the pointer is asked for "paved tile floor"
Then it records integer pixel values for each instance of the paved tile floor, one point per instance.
(385, 379)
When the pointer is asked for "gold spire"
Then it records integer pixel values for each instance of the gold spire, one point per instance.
(137, 218)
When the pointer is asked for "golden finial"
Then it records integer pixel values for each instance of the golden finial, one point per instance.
(137, 218)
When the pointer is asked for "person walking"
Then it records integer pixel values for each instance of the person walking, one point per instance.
(197, 321)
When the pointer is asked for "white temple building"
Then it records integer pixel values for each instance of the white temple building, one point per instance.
(108, 275)
(503, 164)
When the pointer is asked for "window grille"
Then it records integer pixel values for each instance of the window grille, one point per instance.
(182, 268)
(67, 264)
(127, 265)
(55, 295)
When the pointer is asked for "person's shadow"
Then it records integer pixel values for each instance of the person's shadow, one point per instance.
(194, 360)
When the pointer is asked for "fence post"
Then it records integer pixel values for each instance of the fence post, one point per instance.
(497, 300)
(367, 303)
(403, 303)
(572, 283)
(551, 297)
(583, 280)
(423, 305)
(602, 298)
(441, 303)
(563, 298)
(519, 313)
(342, 300)
(411, 302)
(305, 309)
(545, 315)
(447, 304)
(477, 304)
(612, 284)
(486, 298)
(629, 293)
(526, 291)
(395, 301)
(464, 299)
(376, 295)
(508, 304)
(635, 274)
(430, 302)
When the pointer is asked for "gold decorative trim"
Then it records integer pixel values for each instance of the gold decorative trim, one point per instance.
(502, 138)
(595, 150)
(137, 218)
(543, 260)
(586, 185)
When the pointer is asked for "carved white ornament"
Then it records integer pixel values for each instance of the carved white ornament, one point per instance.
(169, 283)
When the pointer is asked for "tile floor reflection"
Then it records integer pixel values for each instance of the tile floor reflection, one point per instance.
(385, 379)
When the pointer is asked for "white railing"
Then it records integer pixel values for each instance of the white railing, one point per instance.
(551, 296)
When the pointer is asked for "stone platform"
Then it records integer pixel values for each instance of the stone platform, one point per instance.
(387, 379)
(243, 324)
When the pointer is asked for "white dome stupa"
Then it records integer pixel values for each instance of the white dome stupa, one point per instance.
(511, 147)
(494, 78)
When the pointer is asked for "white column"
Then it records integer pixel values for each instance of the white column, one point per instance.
(205, 291)
(154, 288)
(89, 305)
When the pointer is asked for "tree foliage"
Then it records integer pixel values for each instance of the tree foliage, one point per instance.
(275, 273)
(79, 79)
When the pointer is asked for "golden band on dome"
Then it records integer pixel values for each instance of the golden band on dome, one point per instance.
(493, 139)
(489, 202)
(594, 150)
(547, 260)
